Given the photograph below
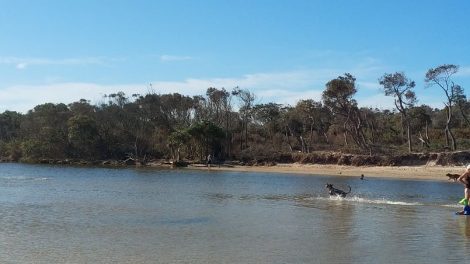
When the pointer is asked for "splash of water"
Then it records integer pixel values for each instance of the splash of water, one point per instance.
(358, 199)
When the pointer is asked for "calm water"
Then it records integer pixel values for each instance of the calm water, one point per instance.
(98, 215)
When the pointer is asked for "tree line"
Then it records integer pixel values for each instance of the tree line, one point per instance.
(229, 124)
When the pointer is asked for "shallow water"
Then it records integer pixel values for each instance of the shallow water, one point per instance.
(96, 215)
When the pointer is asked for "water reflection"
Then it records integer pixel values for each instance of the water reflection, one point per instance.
(464, 226)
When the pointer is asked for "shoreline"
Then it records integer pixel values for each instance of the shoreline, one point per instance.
(434, 172)
(416, 172)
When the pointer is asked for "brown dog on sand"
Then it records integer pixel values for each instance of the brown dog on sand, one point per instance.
(453, 176)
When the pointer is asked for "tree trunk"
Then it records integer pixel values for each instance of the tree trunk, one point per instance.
(423, 140)
(426, 132)
(446, 134)
(448, 131)
(303, 144)
(288, 143)
(452, 140)
(402, 127)
(326, 137)
(463, 114)
(345, 134)
(246, 133)
(408, 134)
(310, 143)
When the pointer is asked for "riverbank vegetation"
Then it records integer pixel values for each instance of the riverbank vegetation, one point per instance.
(232, 125)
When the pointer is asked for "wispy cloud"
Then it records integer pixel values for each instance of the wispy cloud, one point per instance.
(281, 87)
(464, 71)
(369, 85)
(166, 58)
(22, 63)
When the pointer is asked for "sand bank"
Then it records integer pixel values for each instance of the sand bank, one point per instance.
(437, 173)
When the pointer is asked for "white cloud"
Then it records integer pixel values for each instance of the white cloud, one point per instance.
(174, 58)
(25, 97)
(369, 85)
(280, 87)
(378, 100)
(463, 71)
(22, 63)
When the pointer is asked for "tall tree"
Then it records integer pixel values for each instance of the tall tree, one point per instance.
(338, 97)
(422, 120)
(441, 77)
(83, 136)
(10, 130)
(463, 104)
(401, 89)
(315, 118)
(246, 104)
(176, 141)
(208, 137)
(292, 128)
(9, 125)
(219, 104)
(268, 116)
(45, 128)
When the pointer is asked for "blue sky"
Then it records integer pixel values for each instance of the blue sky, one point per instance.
(283, 51)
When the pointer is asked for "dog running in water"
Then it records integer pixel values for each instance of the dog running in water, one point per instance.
(334, 191)
(453, 176)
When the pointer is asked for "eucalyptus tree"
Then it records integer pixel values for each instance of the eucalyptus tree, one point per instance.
(441, 77)
(83, 133)
(292, 129)
(463, 104)
(119, 124)
(268, 116)
(120, 99)
(338, 98)
(219, 104)
(207, 137)
(401, 89)
(372, 124)
(111, 129)
(178, 140)
(83, 136)
(421, 121)
(384, 127)
(246, 99)
(176, 110)
(10, 125)
(82, 107)
(10, 132)
(44, 129)
(200, 109)
(315, 119)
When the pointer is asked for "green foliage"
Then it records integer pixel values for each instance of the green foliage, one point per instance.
(176, 141)
(11, 150)
(338, 95)
(34, 150)
(441, 77)
(208, 137)
(180, 127)
(83, 136)
(401, 89)
(10, 123)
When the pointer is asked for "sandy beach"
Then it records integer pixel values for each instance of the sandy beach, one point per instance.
(433, 172)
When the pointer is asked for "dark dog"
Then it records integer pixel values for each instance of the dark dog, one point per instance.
(453, 176)
(333, 191)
